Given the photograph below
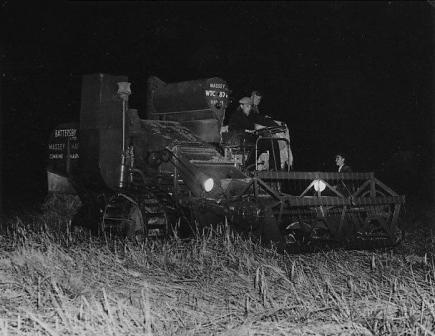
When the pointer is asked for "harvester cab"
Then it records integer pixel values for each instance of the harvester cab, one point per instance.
(267, 148)
(139, 176)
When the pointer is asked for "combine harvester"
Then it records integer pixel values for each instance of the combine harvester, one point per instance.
(142, 177)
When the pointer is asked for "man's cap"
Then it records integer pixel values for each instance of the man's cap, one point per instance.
(245, 100)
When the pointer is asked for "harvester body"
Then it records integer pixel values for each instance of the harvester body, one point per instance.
(143, 176)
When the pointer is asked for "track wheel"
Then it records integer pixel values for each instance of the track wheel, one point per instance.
(122, 216)
(297, 233)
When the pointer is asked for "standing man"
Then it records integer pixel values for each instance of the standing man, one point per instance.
(341, 187)
(340, 161)
(260, 118)
(256, 97)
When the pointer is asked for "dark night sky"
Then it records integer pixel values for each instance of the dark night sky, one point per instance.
(345, 76)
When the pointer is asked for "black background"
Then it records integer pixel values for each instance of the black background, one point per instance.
(345, 76)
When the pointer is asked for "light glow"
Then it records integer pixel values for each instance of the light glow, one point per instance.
(319, 185)
(208, 184)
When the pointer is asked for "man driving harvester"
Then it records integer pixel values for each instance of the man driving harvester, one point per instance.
(245, 125)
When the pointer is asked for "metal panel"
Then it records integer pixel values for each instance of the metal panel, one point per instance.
(101, 124)
(199, 105)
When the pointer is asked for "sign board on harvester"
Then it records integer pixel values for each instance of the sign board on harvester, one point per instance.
(63, 157)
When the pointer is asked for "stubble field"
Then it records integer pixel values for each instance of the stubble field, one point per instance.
(55, 282)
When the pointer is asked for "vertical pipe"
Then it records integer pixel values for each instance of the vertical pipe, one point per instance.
(122, 171)
(123, 91)
(124, 102)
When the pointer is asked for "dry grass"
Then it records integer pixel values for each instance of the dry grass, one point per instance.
(54, 282)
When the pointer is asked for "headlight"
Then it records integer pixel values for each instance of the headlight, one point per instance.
(319, 185)
(208, 184)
